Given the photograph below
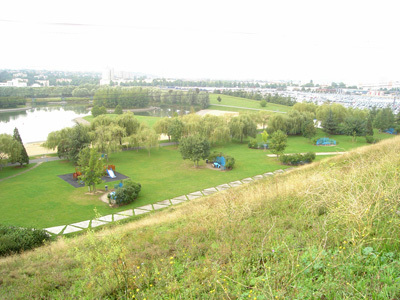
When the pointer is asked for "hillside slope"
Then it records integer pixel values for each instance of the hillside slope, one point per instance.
(329, 230)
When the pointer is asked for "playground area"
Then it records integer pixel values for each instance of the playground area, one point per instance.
(69, 178)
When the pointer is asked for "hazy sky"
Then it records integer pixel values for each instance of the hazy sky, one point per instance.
(350, 41)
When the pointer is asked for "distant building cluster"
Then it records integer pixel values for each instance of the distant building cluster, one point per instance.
(15, 82)
(117, 77)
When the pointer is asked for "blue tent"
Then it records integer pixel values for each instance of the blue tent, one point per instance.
(391, 131)
(220, 160)
(325, 141)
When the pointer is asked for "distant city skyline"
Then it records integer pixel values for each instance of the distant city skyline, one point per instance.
(349, 41)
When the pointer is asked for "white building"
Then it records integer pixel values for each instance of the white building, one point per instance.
(16, 82)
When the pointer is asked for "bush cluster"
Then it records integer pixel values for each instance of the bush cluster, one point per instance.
(229, 160)
(297, 159)
(127, 193)
(14, 239)
(253, 144)
(371, 140)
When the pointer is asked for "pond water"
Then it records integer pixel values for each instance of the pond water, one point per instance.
(36, 123)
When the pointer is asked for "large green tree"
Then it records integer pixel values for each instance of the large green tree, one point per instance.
(92, 171)
(278, 142)
(10, 149)
(194, 148)
(308, 129)
(23, 158)
(243, 126)
(330, 123)
(148, 138)
(72, 141)
(384, 119)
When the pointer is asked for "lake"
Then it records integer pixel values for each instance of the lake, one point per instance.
(36, 123)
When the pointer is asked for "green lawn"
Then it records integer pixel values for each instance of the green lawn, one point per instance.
(299, 144)
(143, 119)
(41, 199)
(237, 104)
(9, 171)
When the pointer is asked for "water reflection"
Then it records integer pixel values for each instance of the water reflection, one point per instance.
(36, 123)
(6, 117)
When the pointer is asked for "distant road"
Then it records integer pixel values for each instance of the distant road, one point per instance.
(276, 111)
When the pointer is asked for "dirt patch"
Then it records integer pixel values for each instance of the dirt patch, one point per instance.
(104, 197)
(210, 166)
(36, 149)
(216, 112)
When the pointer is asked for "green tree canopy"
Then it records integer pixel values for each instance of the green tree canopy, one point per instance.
(92, 171)
(278, 142)
(10, 149)
(242, 126)
(194, 148)
(23, 158)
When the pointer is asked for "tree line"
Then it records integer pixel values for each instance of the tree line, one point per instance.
(111, 97)
(11, 102)
(202, 83)
(334, 119)
(86, 90)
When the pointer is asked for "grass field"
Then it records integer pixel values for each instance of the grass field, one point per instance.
(299, 144)
(40, 199)
(323, 231)
(240, 104)
(9, 171)
(143, 119)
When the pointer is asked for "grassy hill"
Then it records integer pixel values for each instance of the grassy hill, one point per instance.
(329, 230)
(231, 103)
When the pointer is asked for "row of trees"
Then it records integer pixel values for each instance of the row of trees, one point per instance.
(201, 83)
(11, 102)
(213, 128)
(142, 97)
(258, 96)
(293, 123)
(105, 134)
(86, 90)
(336, 119)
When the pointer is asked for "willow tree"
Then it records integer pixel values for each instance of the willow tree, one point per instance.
(242, 127)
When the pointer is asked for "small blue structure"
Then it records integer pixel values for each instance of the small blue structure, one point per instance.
(391, 131)
(220, 160)
(217, 165)
(325, 142)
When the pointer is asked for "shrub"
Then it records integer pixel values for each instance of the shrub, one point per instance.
(229, 162)
(213, 156)
(127, 193)
(371, 140)
(297, 159)
(263, 103)
(309, 157)
(14, 239)
(253, 144)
